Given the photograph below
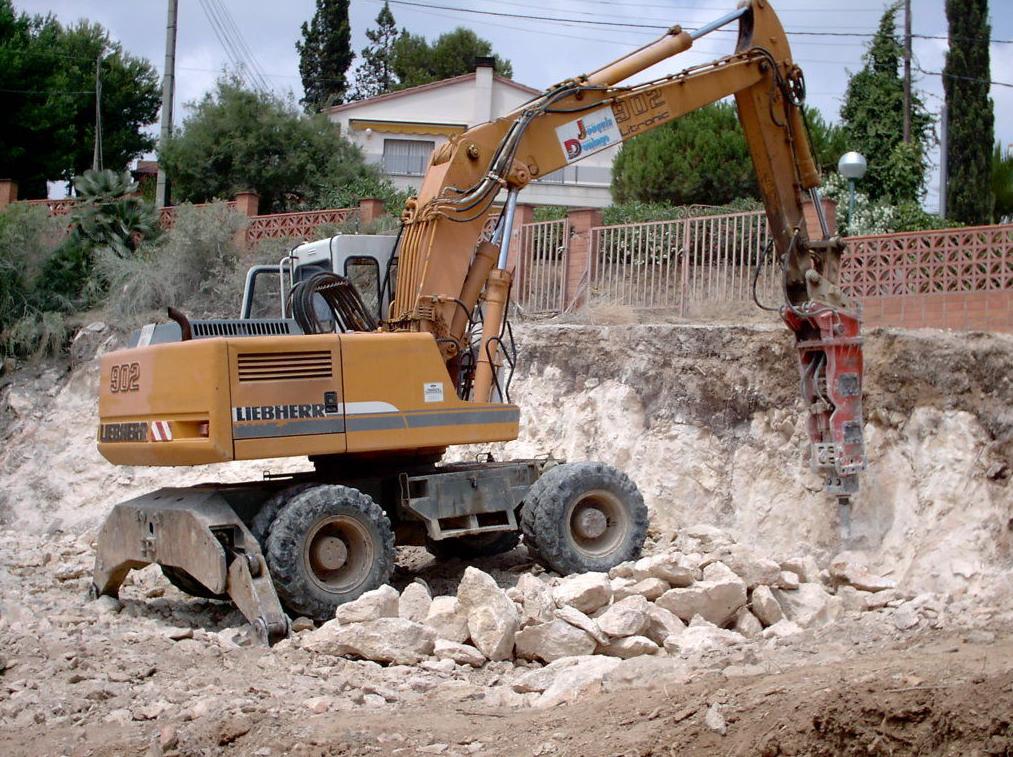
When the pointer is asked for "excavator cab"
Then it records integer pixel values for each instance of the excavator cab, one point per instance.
(365, 260)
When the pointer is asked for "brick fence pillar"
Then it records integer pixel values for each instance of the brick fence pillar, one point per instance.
(579, 252)
(370, 209)
(812, 221)
(8, 192)
(247, 204)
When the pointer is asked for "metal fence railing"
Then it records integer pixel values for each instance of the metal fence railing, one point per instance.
(541, 276)
(678, 264)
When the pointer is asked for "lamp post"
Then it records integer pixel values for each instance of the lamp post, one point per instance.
(852, 167)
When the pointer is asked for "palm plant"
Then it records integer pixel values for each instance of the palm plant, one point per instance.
(110, 214)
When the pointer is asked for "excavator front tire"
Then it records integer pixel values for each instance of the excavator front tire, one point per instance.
(326, 546)
(581, 517)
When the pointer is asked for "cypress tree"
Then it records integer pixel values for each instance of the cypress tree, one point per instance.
(375, 74)
(970, 120)
(873, 119)
(325, 53)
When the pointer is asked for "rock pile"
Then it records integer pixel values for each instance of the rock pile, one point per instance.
(703, 592)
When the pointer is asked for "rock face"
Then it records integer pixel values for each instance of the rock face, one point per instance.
(765, 606)
(552, 641)
(446, 618)
(627, 617)
(414, 603)
(809, 605)
(378, 603)
(716, 598)
(587, 592)
(386, 639)
(493, 619)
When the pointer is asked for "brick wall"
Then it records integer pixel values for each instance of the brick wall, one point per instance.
(970, 311)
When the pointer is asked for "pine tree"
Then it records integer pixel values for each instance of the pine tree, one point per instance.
(873, 116)
(325, 53)
(375, 74)
(970, 120)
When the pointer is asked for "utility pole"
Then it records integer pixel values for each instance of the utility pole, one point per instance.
(96, 161)
(943, 162)
(907, 71)
(168, 92)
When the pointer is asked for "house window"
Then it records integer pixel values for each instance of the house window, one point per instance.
(408, 157)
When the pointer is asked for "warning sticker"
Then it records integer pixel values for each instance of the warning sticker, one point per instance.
(589, 134)
(433, 392)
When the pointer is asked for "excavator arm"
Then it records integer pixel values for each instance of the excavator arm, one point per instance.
(446, 266)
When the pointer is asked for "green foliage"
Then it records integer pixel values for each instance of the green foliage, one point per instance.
(47, 73)
(36, 335)
(236, 140)
(644, 212)
(827, 140)
(375, 74)
(878, 216)
(325, 53)
(27, 240)
(183, 268)
(549, 213)
(416, 61)
(369, 186)
(1002, 184)
(701, 158)
(873, 120)
(970, 126)
(108, 214)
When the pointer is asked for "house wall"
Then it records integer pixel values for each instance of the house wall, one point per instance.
(470, 100)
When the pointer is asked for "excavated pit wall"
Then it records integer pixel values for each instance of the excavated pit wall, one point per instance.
(704, 418)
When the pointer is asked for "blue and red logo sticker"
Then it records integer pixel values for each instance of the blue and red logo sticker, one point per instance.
(589, 134)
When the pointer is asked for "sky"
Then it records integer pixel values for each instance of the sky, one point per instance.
(546, 51)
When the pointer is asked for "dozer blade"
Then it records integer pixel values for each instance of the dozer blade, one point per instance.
(195, 530)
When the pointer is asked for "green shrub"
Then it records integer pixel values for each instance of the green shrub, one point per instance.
(371, 186)
(28, 237)
(643, 212)
(37, 335)
(184, 268)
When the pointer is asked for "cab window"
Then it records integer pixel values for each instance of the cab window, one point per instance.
(364, 273)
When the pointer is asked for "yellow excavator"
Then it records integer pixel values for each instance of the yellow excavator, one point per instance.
(385, 351)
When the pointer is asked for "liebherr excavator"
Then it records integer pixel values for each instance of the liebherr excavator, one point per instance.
(373, 377)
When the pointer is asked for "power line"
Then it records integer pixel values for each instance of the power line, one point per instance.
(964, 78)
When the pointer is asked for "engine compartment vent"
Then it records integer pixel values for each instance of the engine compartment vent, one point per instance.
(285, 366)
(245, 327)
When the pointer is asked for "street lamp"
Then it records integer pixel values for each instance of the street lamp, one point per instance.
(852, 167)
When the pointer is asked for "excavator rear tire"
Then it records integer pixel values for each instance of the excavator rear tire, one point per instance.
(188, 584)
(327, 546)
(581, 517)
(479, 545)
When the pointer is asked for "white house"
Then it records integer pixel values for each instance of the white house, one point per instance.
(400, 130)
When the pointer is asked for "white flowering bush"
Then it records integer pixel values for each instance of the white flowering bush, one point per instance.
(869, 217)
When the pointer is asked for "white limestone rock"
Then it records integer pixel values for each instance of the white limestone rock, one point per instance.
(587, 592)
(586, 623)
(717, 598)
(378, 603)
(765, 606)
(462, 654)
(661, 624)
(386, 639)
(629, 646)
(809, 605)
(552, 641)
(447, 619)
(493, 619)
(627, 617)
(536, 600)
(414, 603)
